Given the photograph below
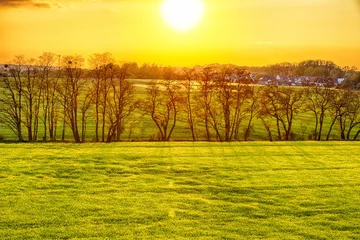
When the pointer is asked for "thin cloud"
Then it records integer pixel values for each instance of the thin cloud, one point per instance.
(23, 3)
(58, 5)
(41, 5)
(52, 3)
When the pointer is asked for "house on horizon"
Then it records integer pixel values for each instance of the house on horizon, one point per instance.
(267, 79)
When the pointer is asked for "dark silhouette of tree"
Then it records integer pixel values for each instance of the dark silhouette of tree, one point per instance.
(101, 64)
(231, 95)
(47, 95)
(121, 103)
(12, 97)
(85, 106)
(252, 108)
(346, 108)
(318, 103)
(206, 96)
(282, 103)
(107, 78)
(339, 110)
(71, 88)
(188, 82)
(270, 107)
(266, 120)
(162, 103)
(52, 98)
(353, 115)
(31, 98)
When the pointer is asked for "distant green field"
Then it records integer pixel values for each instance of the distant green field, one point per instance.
(254, 190)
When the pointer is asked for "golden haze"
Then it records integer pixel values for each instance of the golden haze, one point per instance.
(256, 32)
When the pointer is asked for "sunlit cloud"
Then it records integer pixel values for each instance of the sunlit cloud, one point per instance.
(24, 3)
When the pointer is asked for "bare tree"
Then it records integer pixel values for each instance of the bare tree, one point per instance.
(292, 100)
(86, 103)
(231, 95)
(72, 86)
(48, 81)
(346, 107)
(282, 104)
(353, 116)
(319, 103)
(266, 120)
(270, 106)
(53, 96)
(207, 104)
(121, 103)
(339, 110)
(252, 107)
(107, 78)
(100, 64)
(224, 90)
(12, 97)
(188, 79)
(162, 103)
(31, 97)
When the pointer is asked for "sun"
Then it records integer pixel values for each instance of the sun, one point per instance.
(182, 15)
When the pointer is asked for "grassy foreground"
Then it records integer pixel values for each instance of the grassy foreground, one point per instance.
(298, 190)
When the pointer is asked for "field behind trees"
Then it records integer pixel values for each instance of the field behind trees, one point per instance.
(248, 190)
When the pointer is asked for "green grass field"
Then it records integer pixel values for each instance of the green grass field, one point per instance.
(261, 190)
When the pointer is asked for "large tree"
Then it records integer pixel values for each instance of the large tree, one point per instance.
(101, 69)
(208, 107)
(73, 85)
(282, 104)
(48, 81)
(121, 103)
(231, 96)
(163, 103)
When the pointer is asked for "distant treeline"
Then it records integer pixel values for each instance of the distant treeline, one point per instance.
(217, 102)
(314, 68)
(310, 68)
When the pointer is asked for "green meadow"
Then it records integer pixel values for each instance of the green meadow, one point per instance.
(178, 190)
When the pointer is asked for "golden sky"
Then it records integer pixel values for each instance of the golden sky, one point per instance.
(243, 32)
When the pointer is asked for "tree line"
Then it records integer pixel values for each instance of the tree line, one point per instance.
(216, 103)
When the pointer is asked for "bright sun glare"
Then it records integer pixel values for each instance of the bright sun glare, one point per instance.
(182, 15)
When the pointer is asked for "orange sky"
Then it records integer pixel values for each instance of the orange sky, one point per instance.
(243, 32)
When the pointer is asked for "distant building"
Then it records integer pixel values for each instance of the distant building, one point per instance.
(267, 79)
(340, 80)
(282, 80)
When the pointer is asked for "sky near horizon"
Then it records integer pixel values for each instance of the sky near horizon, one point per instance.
(242, 32)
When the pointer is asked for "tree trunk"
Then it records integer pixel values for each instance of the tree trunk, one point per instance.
(330, 129)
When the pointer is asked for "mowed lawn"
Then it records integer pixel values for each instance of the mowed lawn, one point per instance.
(252, 190)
